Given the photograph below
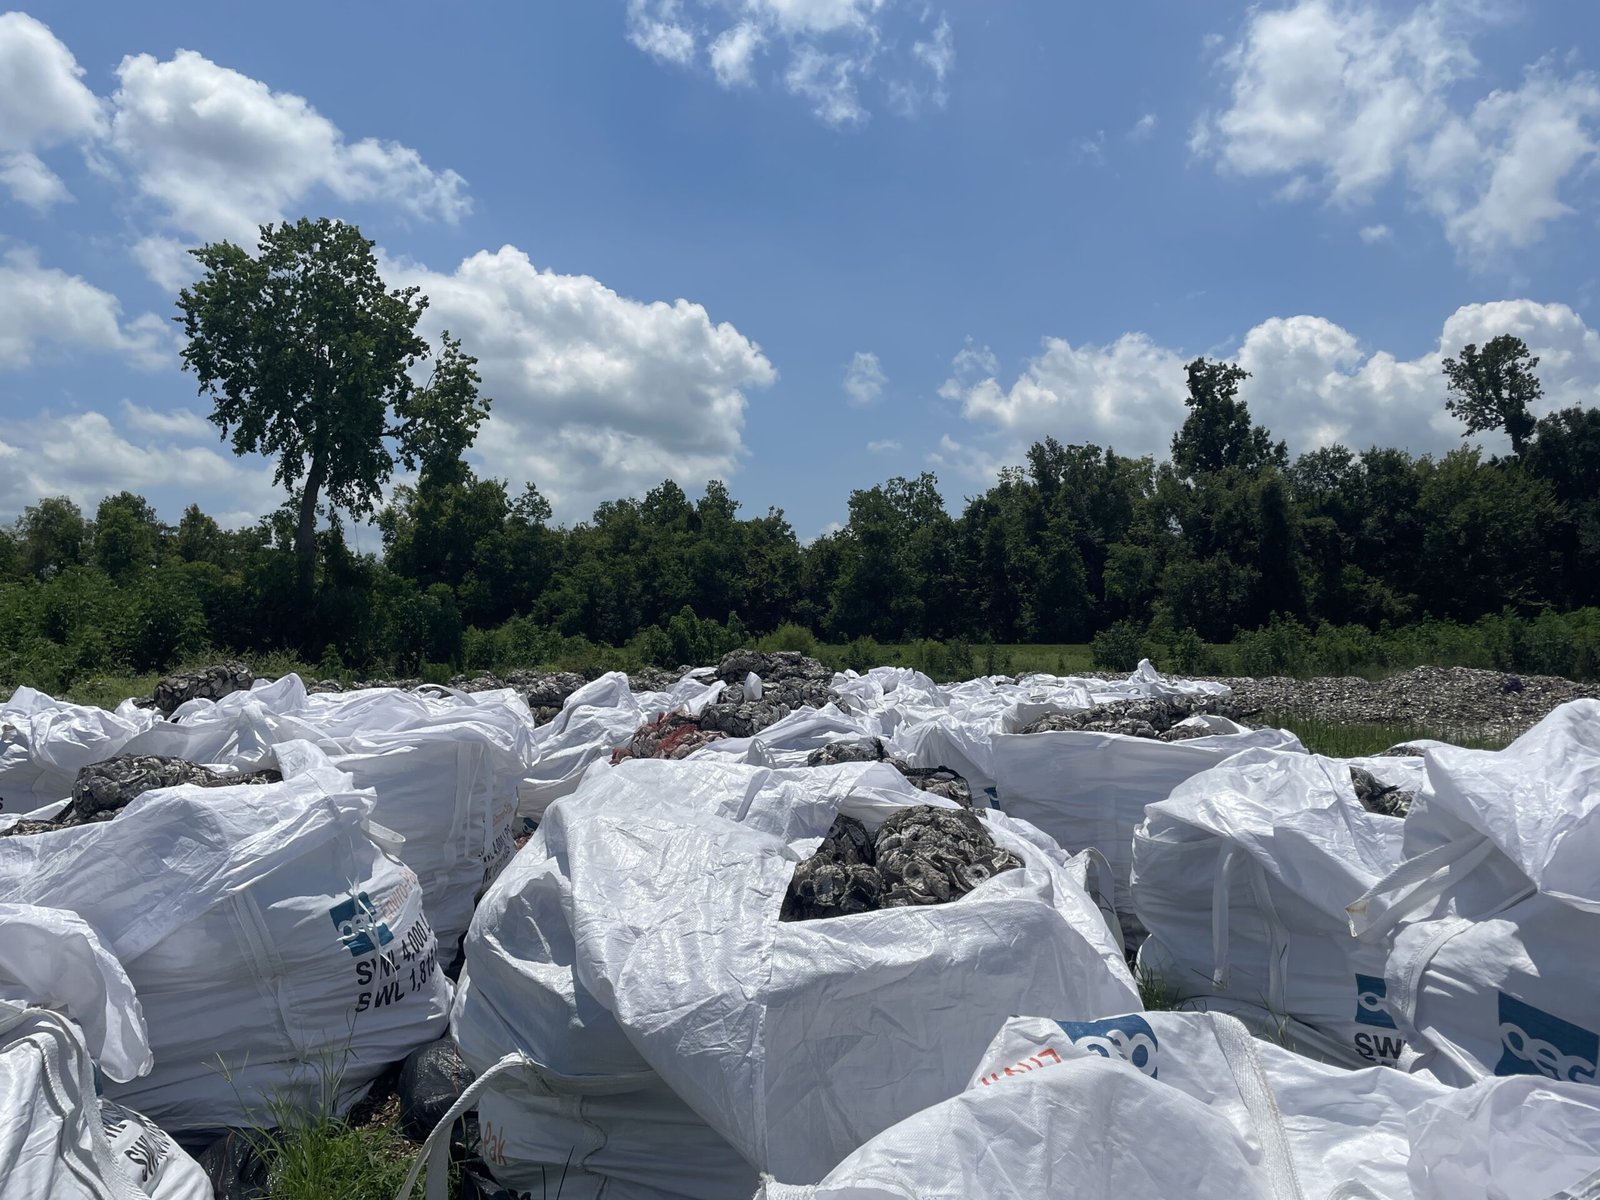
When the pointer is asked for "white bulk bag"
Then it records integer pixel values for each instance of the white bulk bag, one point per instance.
(1241, 877)
(43, 742)
(443, 770)
(53, 958)
(788, 742)
(65, 1002)
(672, 1035)
(596, 719)
(955, 742)
(58, 1141)
(1149, 1106)
(1091, 789)
(271, 942)
(444, 780)
(1491, 928)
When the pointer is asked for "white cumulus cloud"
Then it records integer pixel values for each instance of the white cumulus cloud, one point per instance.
(864, 378)
(85, 456)
(733, 54)
(1312, 383)
(43, 103)
(217, 154)
(655, 26)
(595, 395)
(886, 446)
(1343, 99)
(1373, 234)
(44, 307)
(181, 423)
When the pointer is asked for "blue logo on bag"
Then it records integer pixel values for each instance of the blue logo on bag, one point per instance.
(1536, 1043)
(1370, 994)
(1129, 1038)
(357, 921)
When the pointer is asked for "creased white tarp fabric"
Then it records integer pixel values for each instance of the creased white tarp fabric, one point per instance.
(43, 742)
(267, 936)
(1241, 877)
(677, 1035)
(1492, 924)
(64, 1002)
(1090, 790)
(1149, 1106)
(950, 725)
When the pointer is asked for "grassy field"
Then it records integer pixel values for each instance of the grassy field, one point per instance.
(1065, 659)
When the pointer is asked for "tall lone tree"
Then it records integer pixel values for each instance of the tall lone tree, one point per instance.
(1217, 433)
(1492, 388)
(307, 357)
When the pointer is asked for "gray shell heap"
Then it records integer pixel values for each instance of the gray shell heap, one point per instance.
(921, 855)
(103, 789)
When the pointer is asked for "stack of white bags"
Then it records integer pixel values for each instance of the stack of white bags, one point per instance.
(279, 954)
(650, 1026)
(66, 1007)
(1368, 1006)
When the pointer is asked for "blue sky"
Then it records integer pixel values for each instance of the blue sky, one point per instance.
(805, 245)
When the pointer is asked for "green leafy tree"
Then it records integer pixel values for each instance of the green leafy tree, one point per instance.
(1565, 452)
(1217, 433)
(1484, 536)
(199, 537)
(307, 356)
(127, 536)
(1493, 388)
(52, 536)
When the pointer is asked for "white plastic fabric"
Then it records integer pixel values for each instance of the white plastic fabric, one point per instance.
(58, 1141)
(65, 1002)
(444, 769)
(52, 958)
(955, 742)
(271, 943)
(1241, 878)
(789, 741)
(443, 777)
(1149, 1106)
(1091, 789)
(596, 718)
(1492, 924)
(43, 742)
(675, 1036)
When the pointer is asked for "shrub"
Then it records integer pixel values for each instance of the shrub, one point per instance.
(1118, 647)
(789, 636)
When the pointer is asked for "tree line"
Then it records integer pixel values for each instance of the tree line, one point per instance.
(309, 359)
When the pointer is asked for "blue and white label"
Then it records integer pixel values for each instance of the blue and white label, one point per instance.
(1535, 1042)
(1129, 1038)
(1371, 992)
(360, 928)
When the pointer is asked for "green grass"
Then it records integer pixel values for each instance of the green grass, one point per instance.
(1064, 659)
(325, 1157)
(109, 690)
(1322, 736)
(1155, 994)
